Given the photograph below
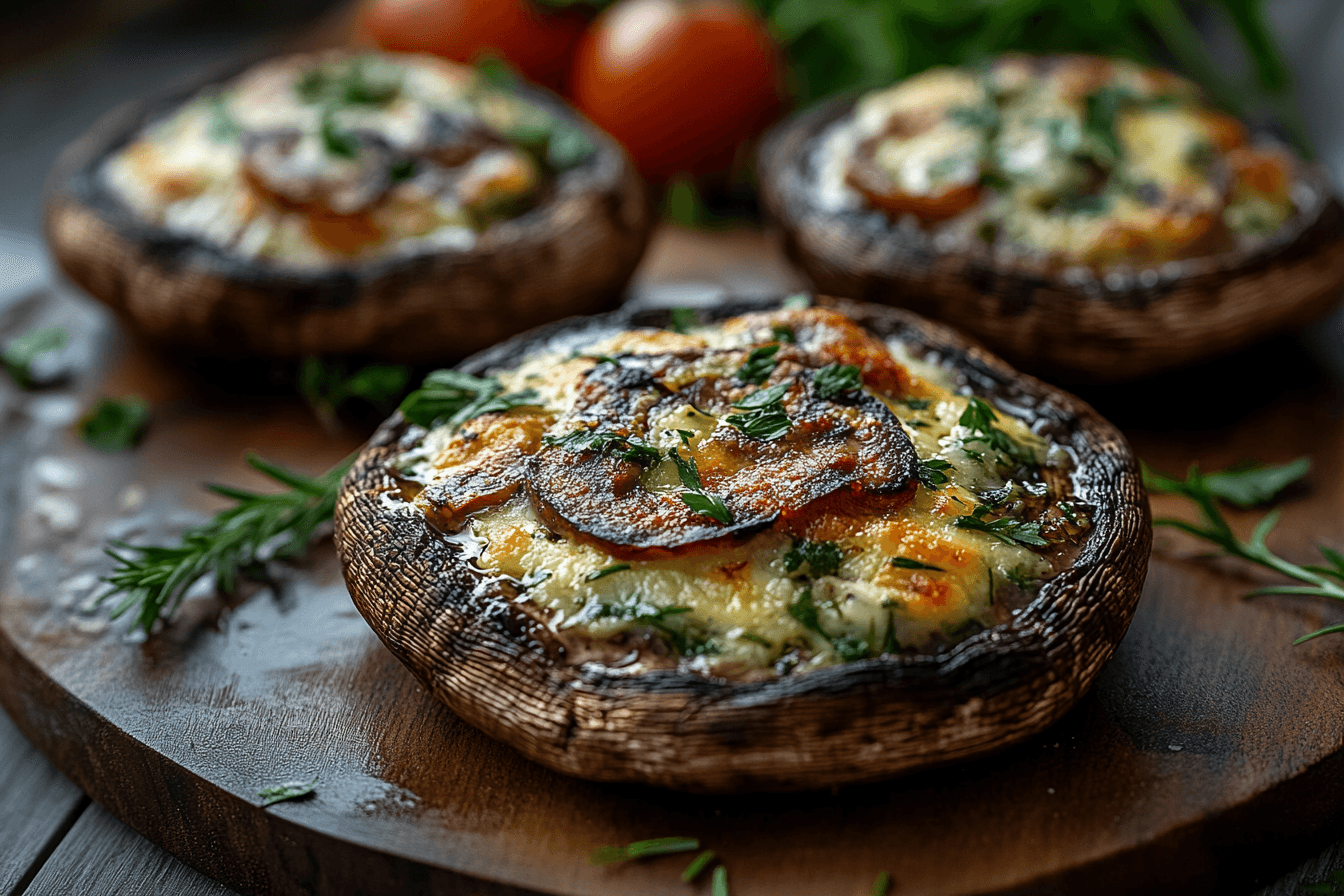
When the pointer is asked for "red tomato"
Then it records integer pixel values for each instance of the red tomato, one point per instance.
(679, 82)
(537, 44)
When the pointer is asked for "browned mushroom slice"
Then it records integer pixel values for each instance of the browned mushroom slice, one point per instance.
(481, 467)
(340, 172)
(783, 460)
(452, 139)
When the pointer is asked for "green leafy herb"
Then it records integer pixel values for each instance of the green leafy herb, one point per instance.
(604, 441)
(765, 417)
(290, 790)
(805, 611)
(932, 473)
(451, 397)
(907, 563)
(1005, 529)
(568, 146)
(916, 404)
(759, 365)
(682, 320)
(1324, 580)
(358, 82)
(335, 141)
(796, 302)
(697, 866)
(755, 639)
(1021, 579)
(719, 882)
(115, 424)
(697, 498)
(326, 386)
(822, 558)
(401, 170)
(606, 571)
(223, 128)
(20, 352)
(881, 884)
(782, 333)
(642, 849)
(850, 648)
(1101, 107)
(235, 541)
(980, 418)
(834, 380)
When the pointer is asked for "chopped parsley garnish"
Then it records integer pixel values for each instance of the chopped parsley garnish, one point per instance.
(682, 320)
(916, 404)
(401, 170)
(932, 473)
(335, 141)
(606, 571)
(805, 611)
(1005, 529)
(755, 639)
(1099, 140)
(452, 397)
(822, 558)
(907, 563)
(680, 637)
(642, 849)
(606, 442)
(290, 790)
(834, 380)
(697, 498)
(697, 866)
(765, 417)
(19, 353)
(759, 365)
(115, 424)
(980, 418)
(361, 82)
(782, 333)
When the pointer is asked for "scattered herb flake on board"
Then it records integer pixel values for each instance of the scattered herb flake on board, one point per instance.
(606, 571)
(697, 866)
(907, 563)
(642, 849)
(881, 884)
(153, 579)
(115, 424)
(834, 380)
(1321, 580)
(290, 790)
(822, 558)
(20, 352)
(932, 473)
(759, 365)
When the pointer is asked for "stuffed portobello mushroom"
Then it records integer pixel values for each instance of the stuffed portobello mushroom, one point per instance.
(1087, 217)
(347, 202)
(775, 547)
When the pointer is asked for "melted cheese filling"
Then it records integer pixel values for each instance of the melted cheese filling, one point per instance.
(315, 160)
(910, 580)
(1080, 160)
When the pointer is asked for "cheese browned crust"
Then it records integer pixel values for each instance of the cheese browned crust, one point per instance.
(896, 517)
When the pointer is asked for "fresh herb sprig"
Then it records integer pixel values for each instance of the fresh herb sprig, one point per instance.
(1005, 529)
(822, 558)
(764, 416)
(452, 397)
(979, 418)
(932, 473)
(238, 541)
(642, 849)
(1246, 486)
(835, 380)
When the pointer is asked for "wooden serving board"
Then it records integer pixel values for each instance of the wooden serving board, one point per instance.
(1209, 756)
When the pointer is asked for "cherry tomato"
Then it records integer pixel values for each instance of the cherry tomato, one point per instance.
(679, 82)
(538, 44)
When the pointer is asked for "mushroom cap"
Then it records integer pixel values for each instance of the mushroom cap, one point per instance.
(571, 254)
(492, 659)
(1072, 323)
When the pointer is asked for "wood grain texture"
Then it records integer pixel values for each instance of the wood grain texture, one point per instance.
(175, 735)
(37, 806)
(1073, 323)
(497, 664)
(101, 854)
(571, 255)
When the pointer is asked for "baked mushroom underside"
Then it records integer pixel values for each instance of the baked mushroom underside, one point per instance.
(1065, 322)
(493, 659)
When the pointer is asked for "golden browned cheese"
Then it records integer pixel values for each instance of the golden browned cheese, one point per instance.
(1075, 159)
(773, 493)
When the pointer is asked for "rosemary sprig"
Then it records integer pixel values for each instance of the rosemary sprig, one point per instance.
(642, 849)
(1246, 486)
(259, 527)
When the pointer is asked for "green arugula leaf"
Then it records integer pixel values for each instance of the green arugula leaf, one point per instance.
(834, 380)
(290, 790)
(115, 424)
(759, 365)
(20, 352)
(822, 558)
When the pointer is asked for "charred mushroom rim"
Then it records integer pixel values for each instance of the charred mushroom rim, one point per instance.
(347, 203)
(1089, 218)
(781, 548)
